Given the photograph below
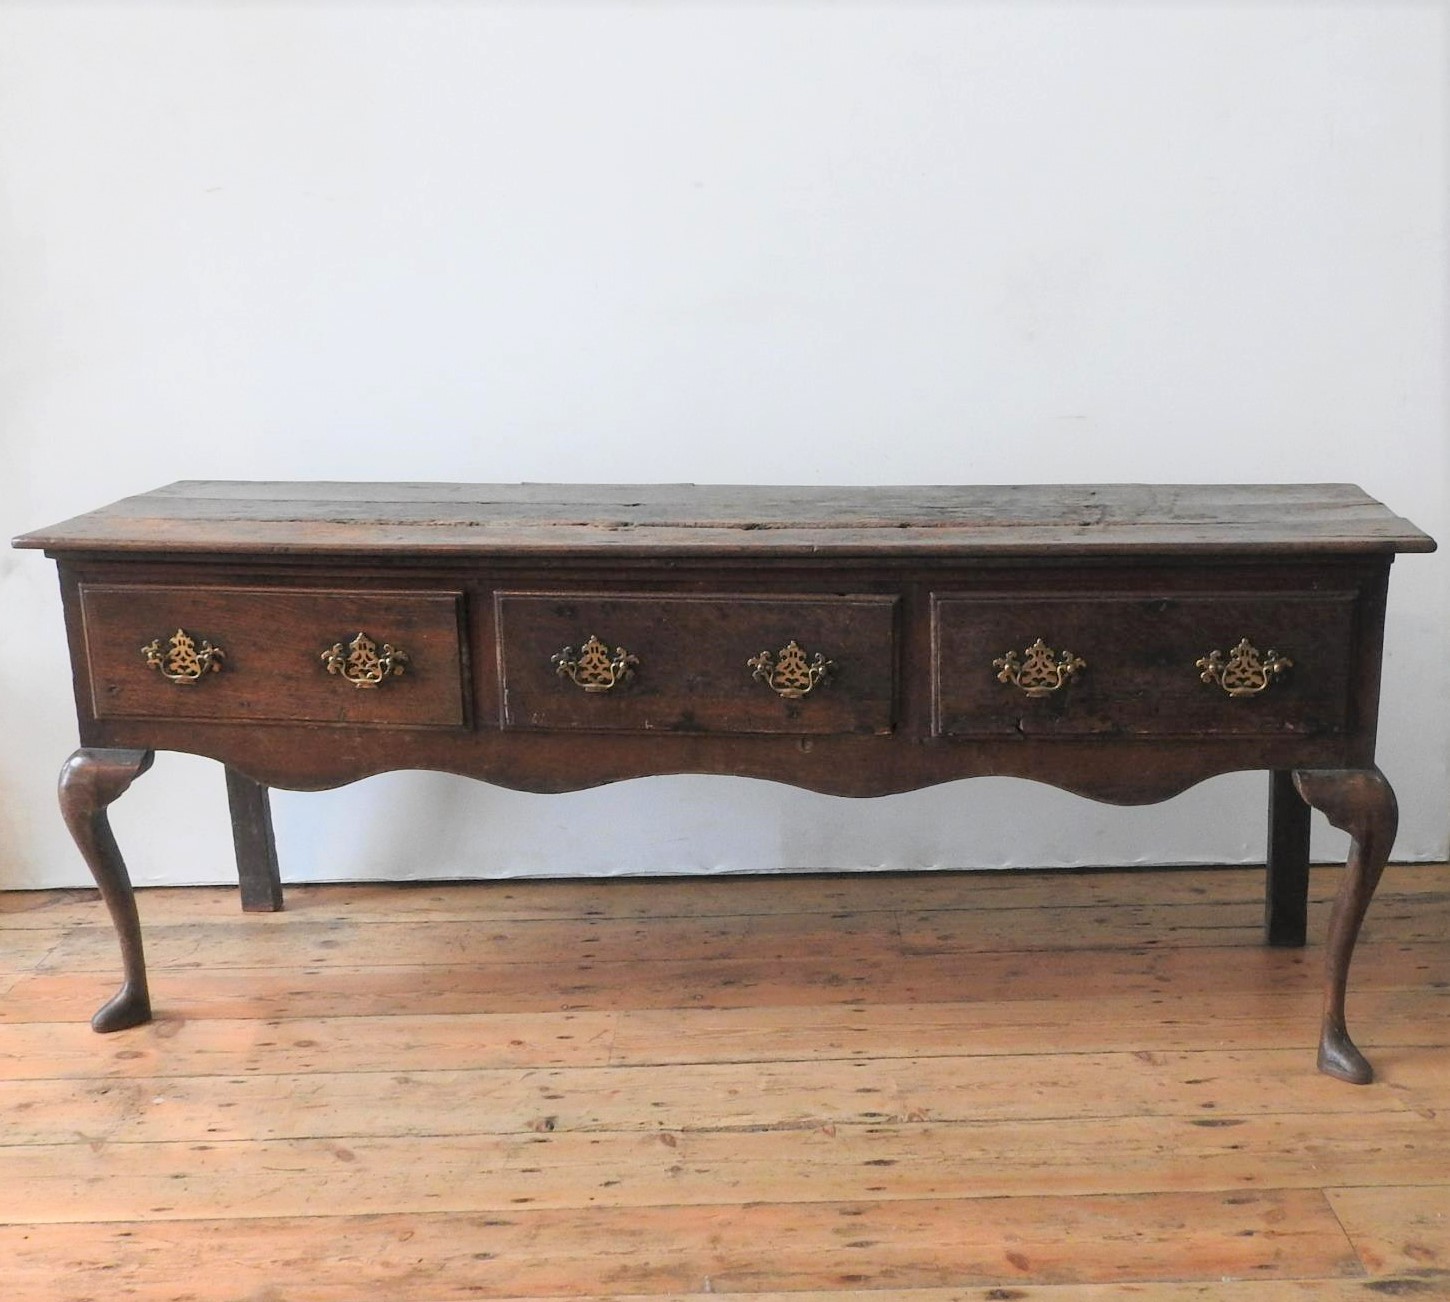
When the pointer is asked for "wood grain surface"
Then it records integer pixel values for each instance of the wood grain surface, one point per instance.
(476, 519)
(814, 1107)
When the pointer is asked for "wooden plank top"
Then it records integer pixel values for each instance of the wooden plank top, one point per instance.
(439, 520)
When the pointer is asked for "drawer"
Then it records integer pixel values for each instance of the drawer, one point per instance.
(274, 645)
(1139, 670)
(687, 663)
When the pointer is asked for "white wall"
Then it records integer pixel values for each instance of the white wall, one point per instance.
(835, 243)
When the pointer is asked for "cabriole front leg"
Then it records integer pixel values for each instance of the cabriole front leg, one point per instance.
(89, 781)
(1362, 803)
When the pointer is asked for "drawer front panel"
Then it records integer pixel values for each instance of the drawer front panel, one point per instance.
(692, 668)
(1139, 671)
(274, 643)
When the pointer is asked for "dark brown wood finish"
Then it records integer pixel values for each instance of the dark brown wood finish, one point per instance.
(275, 642)
(1286, 894)
(693, 670)
(258, 872)
(1363, 804)
(1133, 648)
(90, 781)
(914, 600)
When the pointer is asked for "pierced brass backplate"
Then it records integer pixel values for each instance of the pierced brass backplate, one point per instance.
(1245, 672)
(1043, 672)
(594, 669)
(183, 661)
(788, 672)
(361, 664)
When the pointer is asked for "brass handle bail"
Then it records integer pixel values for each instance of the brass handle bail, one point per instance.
(1245, 672)
(594, 669)
(788, 673)
(362, 664)
(1042, 672)
(183, 661)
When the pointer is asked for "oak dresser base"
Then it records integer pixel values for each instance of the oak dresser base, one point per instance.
(1120, 642)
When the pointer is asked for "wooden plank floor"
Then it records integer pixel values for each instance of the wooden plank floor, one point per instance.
(929, 1088)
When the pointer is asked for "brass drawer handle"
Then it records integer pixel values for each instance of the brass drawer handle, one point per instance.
(594, 669)
(788, 673)
(1043, 672)
(184, 662)
(361, 664)
(1245, 672)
